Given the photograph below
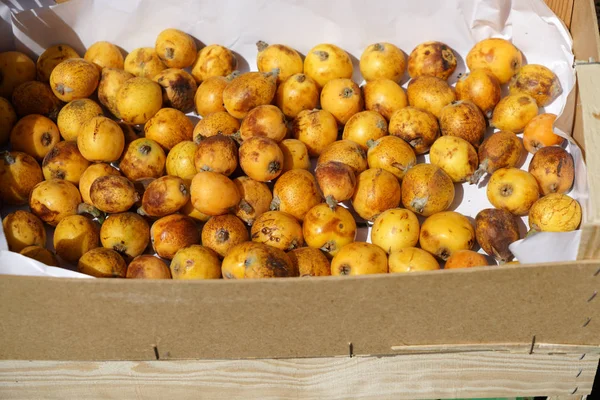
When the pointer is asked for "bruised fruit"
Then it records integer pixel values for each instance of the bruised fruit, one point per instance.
(101, 140)
(222, 232)
(364, 126)
(278, 56)
(537, 81)
(514, 112)
(111, 82)
(209, 96)
(148, 267)
(171, 233)
(102, 263)
(74, 236)
(218, 123)
(180, 160)
(342, 98)
(36, 98)
(359, 258)
(164, 196)
(74, 115)
(495, 230)
(555, 212)
(74, 79)
(482, 88)
(8, 119)
(15, 68)
(444, 233)
(325, 62)
(455, 156)
(384, 96)
(278, 229)
(51, 57)
(144, 62)
(138, 100)
(346, 152)
(411, 259)
(19, 173)
(104, 55)
(248, 91)
(382, 61)
(40, 254)
(376, 191)
(395, 229)
(179, 88)
(539, 133)
(465, 259)
(329, 228)
(553, 168)
(22, 229)
(503, 149)
(336, 180)
(168, 127)
(143, 158)
(256, 199)
(310, 262)
(317, 129)
(54, 200)
(513, 190)
(64, 161)
(427, 189)
(261, 158)
(433, 59)
(430, 94)
(253, 260)
(213, 193)
(497, 55)
(463, 119)
(266, 120)
(213, 60)
(195, 262)
(35, 135)
(391, 154)
(295, 154)
(417, 127)
(126, 233)
(175, 48)
(113, 194)
(297, 93)
(296, 192)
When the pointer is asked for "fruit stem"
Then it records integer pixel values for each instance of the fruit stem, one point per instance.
(8, 158)
(84, 208)
(145, 149)
(274, 166)
(371, 143)
(378, 47)
(261, 45)
(330, 200)
(531, 232)
(300, 78)
(141, 212)
(237, 136)
(245, 206)
(233, 75)
(479, 172)
(401, 167)
(419, 204)
(323, 55)
(274, 73)
(275, 204)
(347, 93)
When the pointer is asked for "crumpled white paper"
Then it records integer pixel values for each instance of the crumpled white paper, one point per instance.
(351, 24)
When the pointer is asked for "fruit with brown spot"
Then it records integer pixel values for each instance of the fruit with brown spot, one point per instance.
(427, 189)
(495, 230)
(143, 62)
(251, 260)
(19, 173)
(365, 126)
(342, 98)
(179, 88)
(110, 83)
(392, 154)
(104, 55)
(465, 259)
(539, 133)
(54, 200)
(35, 135)
(222, 232)
(51, 57)
(329, 228)
(261, 158)
(418, 128)
(497, 55)
(503, 149)
(102, 263)
(74, 115)
(296, 192)
(278, 229)
(463, 119)
(22, 229)
(295, 155)
(148, 267)
(36, 98)
(180, 160)
(64, 161)
(325, 62)
(384, 96)
(395, 229)
(430, 93)
(74, 236)
(346, 152)
(482, 88)
(359, 258)
(40, 254)
(444, 233)
(175, 48)
(267, 121)
(336, 180)
(213, 193)
(376, 191)
(317, 129)
(514, 112)
(297, 93)
(168, 127)
(195, 262)
(248, 91)
(171, 233)
(555, 212)
(101, 140)
(164, 196)
(432, 59)
(15, 68)
(513, 190)
(74, 79)
(143, 158)
(138, 100)
(256, 199)
(455, 156)
(280, 57)
(213, 60)
(310, 262)
(218, 123)
(113, 194)
(209, 96)
(411, 259)
(537, 81)
(126, 233)
(553, 168)
(382, 61)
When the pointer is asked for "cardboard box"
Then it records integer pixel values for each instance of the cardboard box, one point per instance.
(543, 309)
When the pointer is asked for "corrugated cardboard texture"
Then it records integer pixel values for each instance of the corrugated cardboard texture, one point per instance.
(66, 319)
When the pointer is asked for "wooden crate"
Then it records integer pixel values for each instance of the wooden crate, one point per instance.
(536, 328)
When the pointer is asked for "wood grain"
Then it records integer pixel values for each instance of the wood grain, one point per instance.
(563, 9)
(467, 375)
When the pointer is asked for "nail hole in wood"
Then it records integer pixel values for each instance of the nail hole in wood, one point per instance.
(156, 352)
(579, 373)
(532, 345)
(593, 296)
(350, 350)
(575, 390)
(587, 322)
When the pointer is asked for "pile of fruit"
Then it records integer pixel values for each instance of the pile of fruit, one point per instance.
(285, 163)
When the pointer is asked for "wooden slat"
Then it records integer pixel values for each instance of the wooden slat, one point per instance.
(425, 376)
(563, 9)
